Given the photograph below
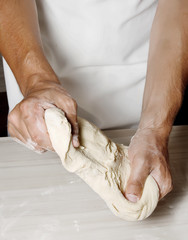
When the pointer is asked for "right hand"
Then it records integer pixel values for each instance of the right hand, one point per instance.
(26, 121)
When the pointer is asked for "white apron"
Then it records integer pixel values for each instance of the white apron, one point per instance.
(99, 51)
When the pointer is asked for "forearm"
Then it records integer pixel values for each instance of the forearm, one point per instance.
(167, 65)
(20, 43)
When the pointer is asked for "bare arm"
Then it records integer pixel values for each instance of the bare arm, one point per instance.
(167, 73)
(20, 42)
(166, 79)
(21, 46)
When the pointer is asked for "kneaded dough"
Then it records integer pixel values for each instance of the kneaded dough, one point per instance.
(101, 163)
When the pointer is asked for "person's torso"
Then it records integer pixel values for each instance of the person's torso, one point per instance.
(99, 51)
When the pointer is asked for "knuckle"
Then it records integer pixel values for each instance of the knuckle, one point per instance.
(29, 107)
(23, 106)
(140, 165)
(12, 117)
(26, 104)
(76, 128)
(138, 177)
(75, 133)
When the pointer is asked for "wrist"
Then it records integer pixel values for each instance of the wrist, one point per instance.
(39, 81)
(34, 70)
(157, 124)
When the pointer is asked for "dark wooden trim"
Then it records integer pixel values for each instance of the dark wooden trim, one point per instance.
(3, 114)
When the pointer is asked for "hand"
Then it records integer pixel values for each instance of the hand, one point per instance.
(26, 121)
(148, 154)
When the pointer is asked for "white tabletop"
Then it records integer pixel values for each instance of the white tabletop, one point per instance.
(40, 200)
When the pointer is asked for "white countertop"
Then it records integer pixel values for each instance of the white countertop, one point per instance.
(40, 200)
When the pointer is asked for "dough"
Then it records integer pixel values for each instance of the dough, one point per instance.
(101, 163)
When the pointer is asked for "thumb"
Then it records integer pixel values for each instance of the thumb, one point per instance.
(135, 184)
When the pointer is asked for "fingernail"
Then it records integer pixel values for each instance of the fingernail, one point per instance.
(75, 141)
(132, 197)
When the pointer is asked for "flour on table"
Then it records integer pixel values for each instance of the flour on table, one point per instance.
(101, 163)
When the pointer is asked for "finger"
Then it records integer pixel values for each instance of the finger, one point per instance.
(15, 133)
(37, 129)
(19, 131)
(75, 130)
(136, 181)
(163, 179)
(30, 143)
(69, 106)
(16, 126)
(18, 137)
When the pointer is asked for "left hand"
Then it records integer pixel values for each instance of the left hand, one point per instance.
(148, 154)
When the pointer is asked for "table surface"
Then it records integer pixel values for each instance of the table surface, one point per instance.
(40, 200)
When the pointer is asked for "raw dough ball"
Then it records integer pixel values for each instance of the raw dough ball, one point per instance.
(101, 163)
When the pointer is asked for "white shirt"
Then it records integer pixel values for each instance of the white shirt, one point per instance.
(99, 51)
